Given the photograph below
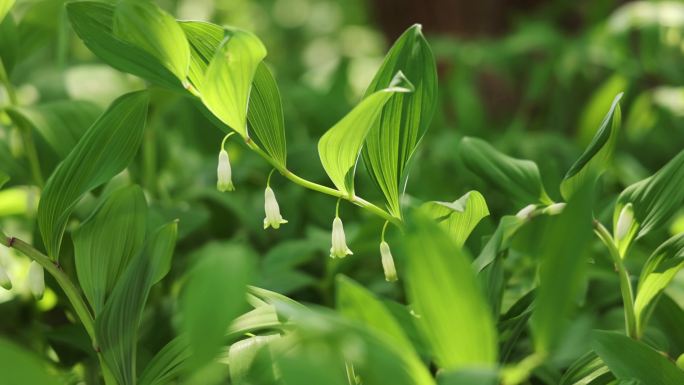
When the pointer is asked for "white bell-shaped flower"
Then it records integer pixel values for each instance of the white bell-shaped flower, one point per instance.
(624, 222)
(5, 281)
(339, 247)
(224, 173)
(387, 262)
(36, 279)
(273, 217)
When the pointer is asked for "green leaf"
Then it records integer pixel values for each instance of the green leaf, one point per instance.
(517, 177)
(4, 178)
(108, 146)
(213, 296)
(116, 327)
(204, 39)
(630, 359)
(405, 118)
(442, 288)
(563, 261)
(20, 367)
(654, 199)
(584, 370)
(659, 270)
(60, 123)
(5, 6)
(228, 79)
(9, 45)
(106, 242)
(340, 146)
(143, 24)
(167, 364)
(93, 22)
(595, 158)
(265, 115)
(459, 217)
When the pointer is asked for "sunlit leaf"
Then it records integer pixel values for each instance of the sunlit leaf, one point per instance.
(20, 367)
(519, 178)
(659, 270)
(459, 217)
(93, 21)
(597, 155)
(204, 39)
(630, 359)
(405, 118)
(116, 327)
(451, 309)
(265, 115)
(106, 148)
(60, 123)
(339, 148)
(5, 6)
(107, 241)
(228, 78)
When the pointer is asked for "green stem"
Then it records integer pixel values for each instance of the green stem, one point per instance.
(62, 279)
(623, 274)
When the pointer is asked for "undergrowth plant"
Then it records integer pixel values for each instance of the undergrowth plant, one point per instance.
(452, 328)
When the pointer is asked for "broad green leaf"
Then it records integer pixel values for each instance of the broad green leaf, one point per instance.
(5, 6)
(204, 39)
(659, 270)
(669, 316)
(517, 177)
(265, 115)
(597, 155)
(630, 359)
(167, 364)
(106, 242)
(655, 199)
(459, 217)
(60, 123)
(405, 118)
(9, 46)
(340, 146)
(20, 367)
(116, 327)
(213, 296)
(563, 257)
(106, 148)
(93, 21)
(584, 370)
(143, 24)
(452, 312)
(227, 81)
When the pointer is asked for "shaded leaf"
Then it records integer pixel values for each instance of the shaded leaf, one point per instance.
(517, 177)
(405, 118)
(20, 367)
(340, 146)
(106, 148)
(265, 115)
(630, 359)
(459, 217)
(5, 6)
(597, 155)
(452, 312)
(116, 327)
(4, 178)
(107, 241)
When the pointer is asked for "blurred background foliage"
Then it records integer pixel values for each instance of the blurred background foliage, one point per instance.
(532, 77)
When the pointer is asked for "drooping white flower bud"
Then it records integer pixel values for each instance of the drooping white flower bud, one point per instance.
(36, 279)
(273, 217)
(5, 281)
(554, 209)
(339, 247)
(526, 211)
(224, 173)
(387, 262)
(624, 222)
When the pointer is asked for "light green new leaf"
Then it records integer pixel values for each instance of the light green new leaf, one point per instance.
(659, 270)
(107, 241)
(116, 327)
(228, 79)
(563, 262)
(452, 312)
(93, 21)
(517, 177)
(204, 39)
(405, 118)
(108, 146)
(60, 123)
(20, 367)
(143, 24)
(340, 146)
(459, 217)
(654, 199)
(5, 6)
(213, 296)
(630, 359)
(597, 155)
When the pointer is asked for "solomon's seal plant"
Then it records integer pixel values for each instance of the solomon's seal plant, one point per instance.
(107, 242)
